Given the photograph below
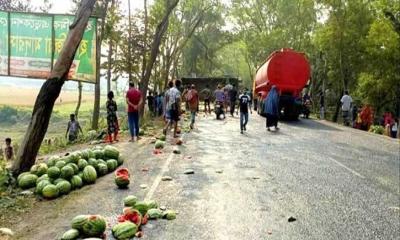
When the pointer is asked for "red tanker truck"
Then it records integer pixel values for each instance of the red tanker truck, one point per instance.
(289, 71)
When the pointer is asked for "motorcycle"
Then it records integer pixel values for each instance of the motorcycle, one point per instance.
(219, 110)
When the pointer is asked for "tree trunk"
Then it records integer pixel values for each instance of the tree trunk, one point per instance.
(160, 31)
(97, 88)
(129, 42)
(110, 53)
(144, 60)
(50, 91)
(78, 106)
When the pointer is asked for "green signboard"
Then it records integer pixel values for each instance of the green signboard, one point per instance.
(31, 43)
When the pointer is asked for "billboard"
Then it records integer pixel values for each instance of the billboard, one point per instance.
(31, 43)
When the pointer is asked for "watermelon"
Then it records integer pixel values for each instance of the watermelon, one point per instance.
(73, 157)
(93, 162)
(80, 174)
(41, 185)
(82, 163)
(75, 167)
(76, 182)
(159, 144)
(163, 138)
(130, 201)
(99, 154)
(58, 180)
(142, 207)
(122, 181)
(34, 169)
(71, 234)
(27, 181)
(151, 204)
(50, 191)
(124, 230)
(21, 175)
(41, 169)
(122, 172)
(132, 215)
(112, 164)
(91, 154)
(89, 174)
(94, 226)
(120, 160)
(101, 161)
(64, 187)
(111, 152)
(53, 172)
(102, 169)
(67, 172)
(78, 221)
(169, 214)
(154, 213)
(52, 161)
(60, 164)
(141, 132)
(43, 177)
(85, 154)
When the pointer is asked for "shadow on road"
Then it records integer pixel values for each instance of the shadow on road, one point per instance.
(311, 124)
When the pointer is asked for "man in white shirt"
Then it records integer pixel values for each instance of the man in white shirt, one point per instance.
(346, 107)
(173, 102)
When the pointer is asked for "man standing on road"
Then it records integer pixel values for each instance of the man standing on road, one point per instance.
(321, 105)
(192, 97)
(232, 99)
(150, 102)
(173, 106)
(134, 101)
(206, 92)
(244, 106)
(346, 107)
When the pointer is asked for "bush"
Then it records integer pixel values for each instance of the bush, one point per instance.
(11, 115)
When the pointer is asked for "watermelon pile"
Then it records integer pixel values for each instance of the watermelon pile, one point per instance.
(135, 215)
(61, 175)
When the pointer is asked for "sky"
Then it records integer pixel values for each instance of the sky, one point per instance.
(65, 6)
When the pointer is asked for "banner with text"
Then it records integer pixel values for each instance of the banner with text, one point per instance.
(31, 43)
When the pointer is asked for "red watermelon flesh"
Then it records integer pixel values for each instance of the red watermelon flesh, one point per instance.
(122, 172)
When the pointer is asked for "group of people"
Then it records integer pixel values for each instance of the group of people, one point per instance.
(363, 118)
(168, 105)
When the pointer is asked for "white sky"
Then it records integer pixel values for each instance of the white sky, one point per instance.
(65, 6)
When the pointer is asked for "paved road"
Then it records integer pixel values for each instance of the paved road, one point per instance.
(337, 182)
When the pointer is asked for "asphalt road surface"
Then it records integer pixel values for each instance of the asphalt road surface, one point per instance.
(338, 183)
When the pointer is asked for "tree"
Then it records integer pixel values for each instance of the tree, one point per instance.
(15, 5)
(155, 48)
(96, 108)
(50, 91)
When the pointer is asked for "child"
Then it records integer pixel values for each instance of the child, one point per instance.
(8, 150)
(395, 128)
(73, 128)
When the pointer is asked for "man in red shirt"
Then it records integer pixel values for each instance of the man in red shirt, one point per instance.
(192, 97)
(134, 101)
